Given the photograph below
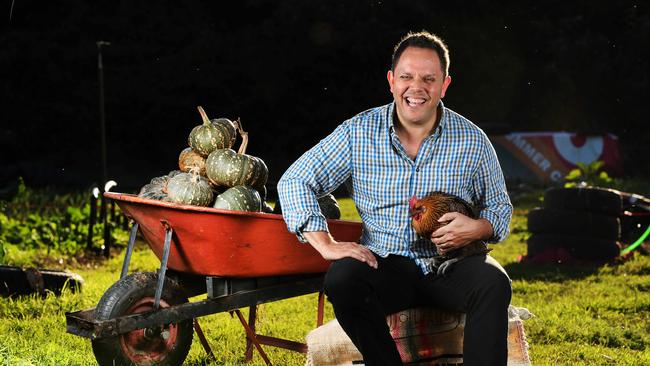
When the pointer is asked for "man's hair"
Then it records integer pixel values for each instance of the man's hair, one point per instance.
(423, 39)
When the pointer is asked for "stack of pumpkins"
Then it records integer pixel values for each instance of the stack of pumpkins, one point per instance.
(212, 174)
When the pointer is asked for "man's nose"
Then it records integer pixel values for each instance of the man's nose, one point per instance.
(417, 83)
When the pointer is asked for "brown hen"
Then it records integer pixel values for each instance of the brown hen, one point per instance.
(425, 213)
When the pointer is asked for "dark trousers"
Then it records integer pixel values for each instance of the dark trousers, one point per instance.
(362, 298)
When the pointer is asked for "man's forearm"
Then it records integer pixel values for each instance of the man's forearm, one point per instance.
(320, 240)
(485, 229)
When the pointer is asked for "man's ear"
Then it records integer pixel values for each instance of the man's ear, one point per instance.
(445, 85)
(391, 79)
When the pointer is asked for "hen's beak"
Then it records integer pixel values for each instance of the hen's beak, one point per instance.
(415, 212)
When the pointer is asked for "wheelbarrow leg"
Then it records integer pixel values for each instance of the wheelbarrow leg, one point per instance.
(252, 318)
(204, 342)
(163, 265)
(253, 338)
(129, 250)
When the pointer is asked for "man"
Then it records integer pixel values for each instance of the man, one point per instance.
(412, 146)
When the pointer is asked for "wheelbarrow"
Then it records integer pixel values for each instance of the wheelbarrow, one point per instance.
(240, 259)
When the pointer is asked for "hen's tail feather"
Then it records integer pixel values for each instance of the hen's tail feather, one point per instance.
(444, 267)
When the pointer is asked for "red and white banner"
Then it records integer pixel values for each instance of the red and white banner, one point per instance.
(548, 156)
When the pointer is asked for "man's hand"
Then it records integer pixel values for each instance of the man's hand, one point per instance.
(331, 249)
(459, 231)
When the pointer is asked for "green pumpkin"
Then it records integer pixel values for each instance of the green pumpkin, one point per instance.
(189, 158)
(239, 198)
(225, 167)
(152, 191)
(219, 133)
(157, 188)
(328, 205)
(189, 189)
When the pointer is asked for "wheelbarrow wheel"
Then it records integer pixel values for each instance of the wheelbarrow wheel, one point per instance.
(165, 345)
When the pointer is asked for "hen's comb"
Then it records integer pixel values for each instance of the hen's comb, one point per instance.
(412, 201)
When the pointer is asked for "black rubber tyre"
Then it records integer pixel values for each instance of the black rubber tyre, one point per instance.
(584, 199)
(579, 247)
(134, 294)
(25, 281)
(537, 245)
(573, 223)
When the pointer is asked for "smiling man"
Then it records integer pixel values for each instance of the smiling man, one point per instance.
(410, 147)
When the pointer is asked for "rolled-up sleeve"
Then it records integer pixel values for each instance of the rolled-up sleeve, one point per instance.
(490, 188)
(317, 172)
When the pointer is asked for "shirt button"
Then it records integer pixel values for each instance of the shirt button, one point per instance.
(417, 170)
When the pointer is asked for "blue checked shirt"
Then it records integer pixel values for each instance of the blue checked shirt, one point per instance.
(365, 153)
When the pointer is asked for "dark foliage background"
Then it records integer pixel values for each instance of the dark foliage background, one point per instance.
(292, 70)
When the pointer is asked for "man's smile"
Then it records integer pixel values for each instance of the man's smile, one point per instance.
(414, 102)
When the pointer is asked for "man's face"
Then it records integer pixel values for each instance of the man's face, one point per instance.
(417, 84)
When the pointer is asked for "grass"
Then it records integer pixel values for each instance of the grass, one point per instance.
(584, 315)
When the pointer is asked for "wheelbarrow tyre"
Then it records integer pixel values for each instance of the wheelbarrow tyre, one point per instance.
(573, 223)
(597, 200)
(134, 294)
(579, 247)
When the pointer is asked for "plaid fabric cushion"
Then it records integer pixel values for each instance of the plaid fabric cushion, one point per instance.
(428, 335)
(424, 337)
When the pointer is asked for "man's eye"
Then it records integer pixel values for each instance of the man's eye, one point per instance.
(405, 77)
(430, 80)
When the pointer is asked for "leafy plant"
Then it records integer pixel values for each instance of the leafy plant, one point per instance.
(46, 219)
(589, 175)
(2, 250)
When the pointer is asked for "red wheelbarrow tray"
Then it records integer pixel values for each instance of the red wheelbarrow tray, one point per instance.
(215, 242)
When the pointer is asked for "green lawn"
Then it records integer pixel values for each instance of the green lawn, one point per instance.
(584, 315)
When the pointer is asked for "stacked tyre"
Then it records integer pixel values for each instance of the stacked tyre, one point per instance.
(581, 221)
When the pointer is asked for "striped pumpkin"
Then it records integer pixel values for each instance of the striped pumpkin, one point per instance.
(239, 198)
(328, 205)
(225, 167)
(219, 133)
(156, 189)
(189, 158)
(189, 189)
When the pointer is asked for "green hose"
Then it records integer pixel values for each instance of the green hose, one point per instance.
(636, 243)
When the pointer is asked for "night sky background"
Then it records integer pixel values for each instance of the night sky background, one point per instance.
(293, 70)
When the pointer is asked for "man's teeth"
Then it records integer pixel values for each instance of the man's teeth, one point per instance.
(414, 101)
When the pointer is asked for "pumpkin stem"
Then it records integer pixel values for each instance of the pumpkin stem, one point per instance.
(244, 138)
(164, 187)
(195, 172)
(204, 116)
